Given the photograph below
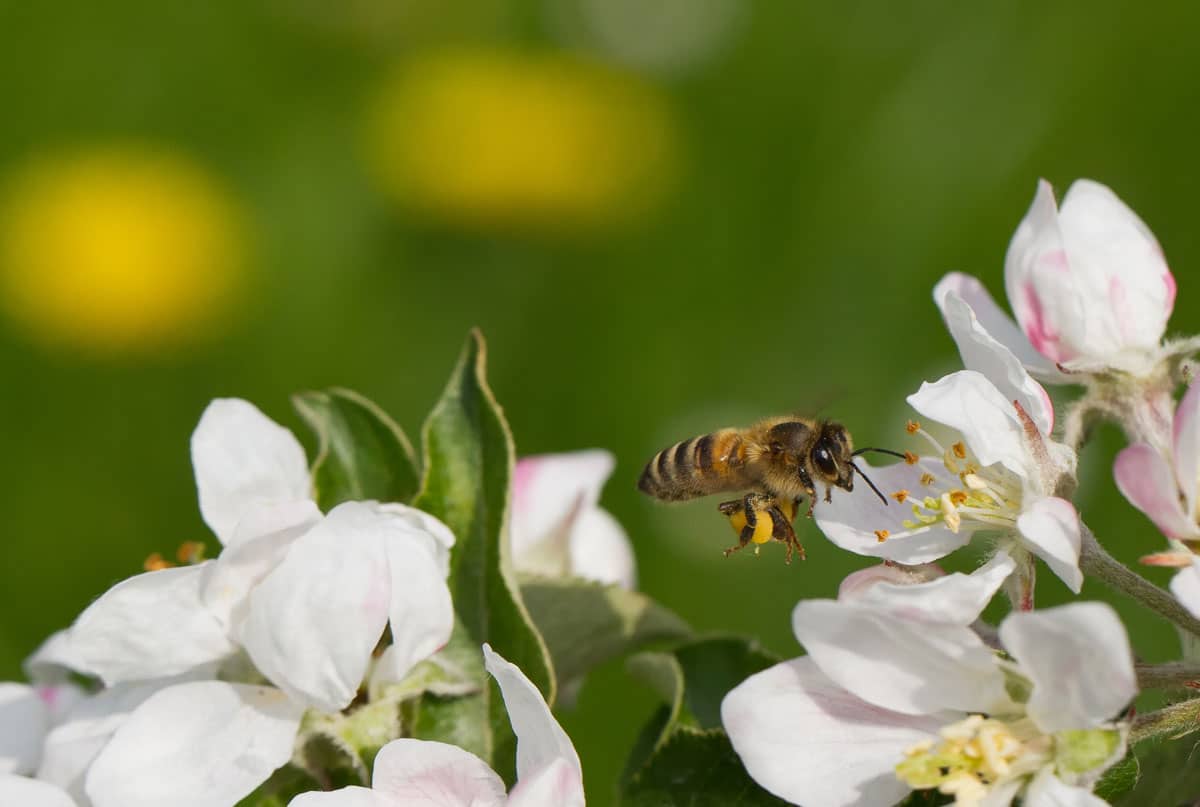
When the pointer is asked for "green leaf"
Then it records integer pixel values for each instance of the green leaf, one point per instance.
(586, 623)
(695, 768)
(361, 452)
(468, 461)
(284, 784)
(1168, 774)
(1118, 780)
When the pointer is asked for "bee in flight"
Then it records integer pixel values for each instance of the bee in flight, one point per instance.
(778, 461)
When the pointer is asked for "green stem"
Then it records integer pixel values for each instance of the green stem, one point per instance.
(1095, 561)
(1165, 676)
(1171, 721)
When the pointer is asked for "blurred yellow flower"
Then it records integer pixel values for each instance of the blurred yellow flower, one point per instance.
(507, 139)
(118, 250)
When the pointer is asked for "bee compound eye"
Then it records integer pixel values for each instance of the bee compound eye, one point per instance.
(824, 461)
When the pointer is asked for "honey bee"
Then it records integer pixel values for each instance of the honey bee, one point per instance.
(778, 460)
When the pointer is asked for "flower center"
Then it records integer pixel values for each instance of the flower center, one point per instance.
(972, 756)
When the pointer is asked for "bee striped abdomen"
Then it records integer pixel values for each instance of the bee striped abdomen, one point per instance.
(696, 467)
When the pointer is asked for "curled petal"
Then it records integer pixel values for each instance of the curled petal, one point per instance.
(150, 626)
(423, 527)
(313, 621)
(25, 721)
(1049, 527)
(1186, 446)
(1047, 790)
(241, 457)
(600, 550)
(850, 748)
(424, 773)
(903, 665)
(1146, 480)
(540, 739)
(201, 744)
(54, 660)
(969, 403)
(550, 490)
(996, 323)
(981, 351)
(355, 796)
(857, 584)
(1186, 588)
(1079, 661)
(420, 611)
(557, 784)
(857, 520)
(956, 599)
(17, 790)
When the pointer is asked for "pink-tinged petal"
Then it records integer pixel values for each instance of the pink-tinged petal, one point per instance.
(856, 584)
(1035, 267)
(424, 773)
(241, 457)
(71, 746)
(18, 791)
(810, 742)
(556, 785)
(1047, 790)
(908, 666)
(1049, 528)
(1186, 588)
(996, 323)
(600, 550)
(1185, 445)
(25, 722)
(956, 599)
(54, 660)
(1079, 661)
(854, 520)
(150, 626)
(261, 540)
(1118, 272)
(981, 352)
(351, 797)
(60, 699)
(420, 611)
(969, 403)
(540, 740)
(1146, 480)
(313, 621)
(201, 744)
(551, 490)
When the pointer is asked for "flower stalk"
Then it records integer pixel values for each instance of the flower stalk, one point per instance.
(1170, 722)
(1168, 675)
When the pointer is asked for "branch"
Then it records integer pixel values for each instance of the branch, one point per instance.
(1166, 676)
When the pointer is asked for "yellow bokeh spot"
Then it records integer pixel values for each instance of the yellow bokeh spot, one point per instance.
(118, 251)
(505, 139)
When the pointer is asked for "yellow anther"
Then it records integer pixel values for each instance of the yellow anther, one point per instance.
(958, 497)
(900, 496)
(912, 427)
(974, 481)
(959, 450)
(950, 513)
(881, 535)
(911, 458)
(156, 562)
(190, 552)
(927, 479)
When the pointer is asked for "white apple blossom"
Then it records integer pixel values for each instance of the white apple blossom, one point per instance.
(999, 474)
(897, 693)
(558, 529)
(25, 719)
(20, 791)
(423, 773)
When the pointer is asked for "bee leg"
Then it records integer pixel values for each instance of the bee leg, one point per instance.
(806, 480)
(783, 531)
(746, 511)
(828, 494)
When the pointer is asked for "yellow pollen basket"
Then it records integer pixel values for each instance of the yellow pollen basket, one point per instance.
(764, 527)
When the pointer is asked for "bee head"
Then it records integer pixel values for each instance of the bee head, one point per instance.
(832, 456)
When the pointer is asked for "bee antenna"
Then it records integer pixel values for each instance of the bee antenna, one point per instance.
(867, 479)
(880, 450)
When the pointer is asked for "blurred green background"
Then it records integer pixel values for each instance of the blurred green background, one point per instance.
(666, 217)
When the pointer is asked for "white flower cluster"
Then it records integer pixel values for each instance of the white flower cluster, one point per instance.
(204, 672)
(899, 690)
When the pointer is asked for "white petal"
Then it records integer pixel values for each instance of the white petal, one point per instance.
(968, 403)
(806, 740)
(54, 660)
(556, 785)
(856, 584)
(953, 599)
(420, 610)
(1049, 527)
(242, 457)
(997, 323)
(201, 744)
(550, 490)
(423, 773)
(315, 619)
(421, 525)
(71, 746)
(17, 791)
(1047, 790)
(149, 626)
(1186, 587)
(1146, 480)
(851, 519)
(261, 540)
(348, 797)
(600, 550)
(1185, 445)
(25, 721)
(902, 665)
(982, 352)
(1002, 795)
(1079, 661)
(540, 740)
